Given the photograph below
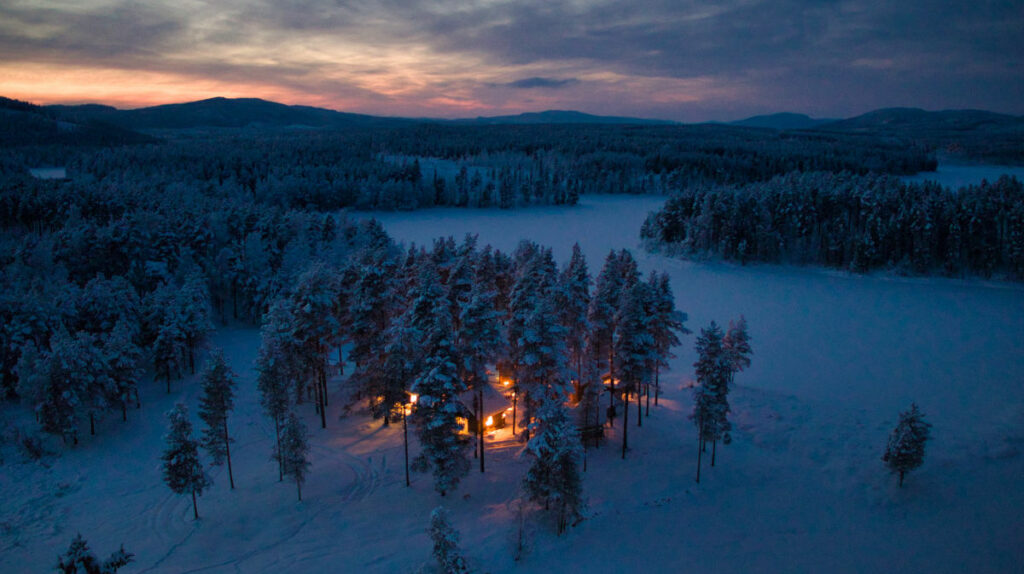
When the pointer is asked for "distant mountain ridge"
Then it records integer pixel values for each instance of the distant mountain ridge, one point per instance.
(221, 113)
(562, 117)
(915, 121)
(782, 121)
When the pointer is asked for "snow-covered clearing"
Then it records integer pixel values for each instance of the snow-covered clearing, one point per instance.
(801, 489)
(956, 176)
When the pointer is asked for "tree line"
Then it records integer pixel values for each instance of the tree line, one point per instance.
(849, 221)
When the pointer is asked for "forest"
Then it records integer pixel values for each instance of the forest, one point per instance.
(849, 221)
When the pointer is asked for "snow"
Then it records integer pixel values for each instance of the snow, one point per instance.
(802, 488)
(957, 176)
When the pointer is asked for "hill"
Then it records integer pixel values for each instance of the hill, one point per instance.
(782, 121)
(24, 124)
(562, 117)
(223, 113)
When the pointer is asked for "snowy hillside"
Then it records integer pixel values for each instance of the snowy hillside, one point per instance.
(801, 488)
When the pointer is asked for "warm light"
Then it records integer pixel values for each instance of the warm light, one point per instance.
(507, 383)
(490, 421)
(413, 397)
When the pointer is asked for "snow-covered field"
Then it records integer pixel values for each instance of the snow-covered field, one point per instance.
(801, 489)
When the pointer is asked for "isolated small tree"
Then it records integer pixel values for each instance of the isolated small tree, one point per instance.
(80, 560)
(214, 405)
(446, 542)
(905, 451)
(183, 471)
(295, 451)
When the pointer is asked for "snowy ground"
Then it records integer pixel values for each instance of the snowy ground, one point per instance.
(801, 489)
(956, 176)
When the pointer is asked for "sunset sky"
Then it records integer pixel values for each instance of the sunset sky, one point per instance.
(674, 59)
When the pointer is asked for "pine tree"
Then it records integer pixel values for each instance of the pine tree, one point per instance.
(183, 472)
(711, 403)
(438, 407)
(905, 450)
(79, 559)
(542, 370)
(276, 369)
(217, 400)
(479, 341)
(573, 303)
(553, 478)
(601, 317)
(446, 542)
(667, 324)
(314, 327)
(635, 349)
(736, 346)
(295, 451)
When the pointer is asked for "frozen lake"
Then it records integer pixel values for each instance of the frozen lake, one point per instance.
(48, 172)
(956, 176)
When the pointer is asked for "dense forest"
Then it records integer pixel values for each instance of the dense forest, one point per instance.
(857, 222)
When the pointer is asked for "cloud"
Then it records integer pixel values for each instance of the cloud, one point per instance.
(707, 59)
(546, 83)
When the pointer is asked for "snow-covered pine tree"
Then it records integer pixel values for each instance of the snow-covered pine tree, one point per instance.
(553, 478)
(736, 345)
(446, 542)
(601, 317)
(711, 404)
(183, 471)
(438, 407)
(217, 400)
(274, 372)
(634, 348)
(168, 351)
(542, 370)
(123, 357)
(667, 323)
(370, 308)
(193, 315)
(315, 328)
(295, 450)
(79, 559)
(479, 341)
(905, 450)
(573, 303)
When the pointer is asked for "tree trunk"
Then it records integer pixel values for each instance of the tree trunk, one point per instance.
(280, 464)
(92, 425)
(714, 447)
(657, 384)
(124, 409)
(639, 409)
(700, 449)
(227, 449)
(901, 479)
(515, 398)
(482, 438)
(298, 485)
(648, 413)
(323, 403)
(625, 421)
(195, 507)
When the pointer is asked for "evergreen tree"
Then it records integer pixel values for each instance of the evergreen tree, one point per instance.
(446, 542)
(905, 450)
(217, 400)
(573, 303)
(479, 341)
(667, 324)
(314, 327)
(183, 472)
(542, 370)
(601, 317)
(736, 346)
(79, 559)
(711, 404)
(438, 407)
(553, 478)
(635, 349)
(193, 315)
(295, 451)
(274, 372)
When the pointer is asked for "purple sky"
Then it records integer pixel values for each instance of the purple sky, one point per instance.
(674, 59)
